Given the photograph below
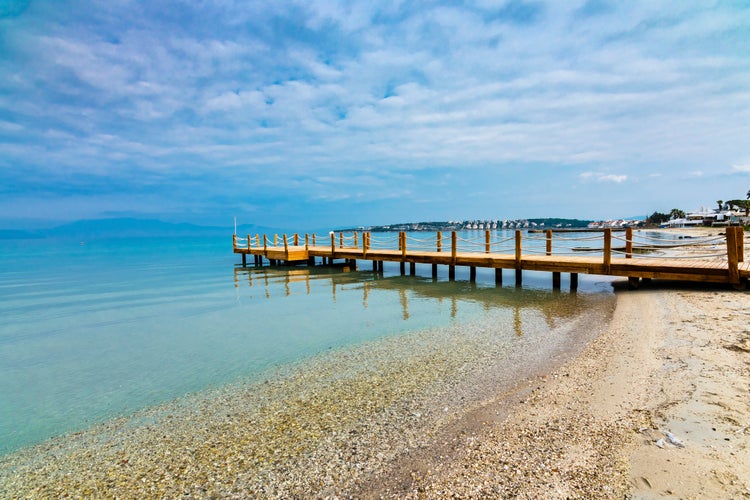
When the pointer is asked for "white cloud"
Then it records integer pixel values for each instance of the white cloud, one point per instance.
(600, 177)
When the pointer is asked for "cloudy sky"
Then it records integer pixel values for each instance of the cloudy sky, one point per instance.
(306, 114)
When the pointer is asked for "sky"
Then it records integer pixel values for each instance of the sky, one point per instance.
(305, 114)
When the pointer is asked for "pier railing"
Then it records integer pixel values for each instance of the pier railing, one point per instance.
(632, 251)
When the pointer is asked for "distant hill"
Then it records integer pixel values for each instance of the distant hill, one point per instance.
(17, 234)
(125, 227)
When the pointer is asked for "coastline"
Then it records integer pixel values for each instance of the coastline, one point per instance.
(674, 359)
(587, 422)
(329, 426)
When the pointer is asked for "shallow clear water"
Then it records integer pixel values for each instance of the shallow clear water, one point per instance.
(89, 332)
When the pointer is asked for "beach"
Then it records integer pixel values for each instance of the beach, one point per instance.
(647, 395)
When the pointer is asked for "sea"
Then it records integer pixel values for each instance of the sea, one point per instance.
(100, 329)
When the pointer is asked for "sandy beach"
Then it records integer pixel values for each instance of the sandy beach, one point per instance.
(647, 399)
(658, 406)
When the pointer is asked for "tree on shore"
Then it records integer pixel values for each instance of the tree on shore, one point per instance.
(657, 218)
(720, 203)
(740, 204)
(676, 213)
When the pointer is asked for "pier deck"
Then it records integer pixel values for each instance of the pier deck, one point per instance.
(722, 263)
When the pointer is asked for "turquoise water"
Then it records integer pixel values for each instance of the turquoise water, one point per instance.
(97, 330)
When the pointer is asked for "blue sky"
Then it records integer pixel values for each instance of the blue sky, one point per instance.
(305, 114)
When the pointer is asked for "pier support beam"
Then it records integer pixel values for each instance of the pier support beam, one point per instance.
(452, 273)
(519, 277)
(412, 268)
(633, 282)
(498, 277)
(434, 271)
(555, 280)
(573, 281)
(402, 267)
(244, 260)
(380, 266)
(375, 266)
(472, 274)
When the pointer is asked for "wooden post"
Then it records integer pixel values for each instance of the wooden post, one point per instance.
(434, 271)
(402, 267)
(487, 244)
(356, 241)
(573, 281)
(286, 248)
(556, 280)
(498, 276)
(412, 268)
(244, 260)
(629, 243)
(452, 273)
(314, 242)
(402, 246)
(341, 239)
(365, 243)
(439, 241)
(375, 266)
(454, 244)
(519, 276)
(265, 245)
(549, 242)
(472, 274)
(740, 238)
(307, 242)
(296, 239)
(380, 266)
(275, 240)
(732, 255)
(607, 249)
(234, 241)
(333, 246)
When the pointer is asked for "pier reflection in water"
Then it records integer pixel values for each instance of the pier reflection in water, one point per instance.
(553, 305)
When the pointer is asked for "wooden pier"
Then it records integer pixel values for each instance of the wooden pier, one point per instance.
(721, 259)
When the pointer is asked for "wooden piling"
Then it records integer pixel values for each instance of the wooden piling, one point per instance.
(439, 241)
(549, 242)
(629, 243)
(498, 276)
(487, 242)
(607, 250)
(555, 280)
(732, 255)
(519, 275)
(472, 274)
(454, 245)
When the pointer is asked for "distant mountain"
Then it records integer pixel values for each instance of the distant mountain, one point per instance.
(17, 234)
(126, 227)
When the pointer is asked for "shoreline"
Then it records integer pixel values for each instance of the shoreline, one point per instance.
(590, 421)
(657, 406)
(326, 427)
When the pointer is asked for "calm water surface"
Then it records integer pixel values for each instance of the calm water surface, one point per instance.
(93, 331)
